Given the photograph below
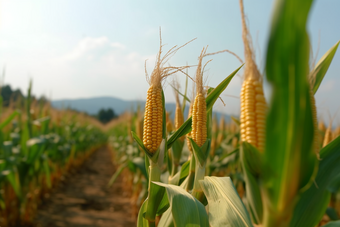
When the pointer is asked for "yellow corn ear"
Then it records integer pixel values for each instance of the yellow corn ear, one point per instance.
(179, 119)
(328, 136)
(199, 120)
(253, 109)
(322, 126)
(169, 126)
(153, 119)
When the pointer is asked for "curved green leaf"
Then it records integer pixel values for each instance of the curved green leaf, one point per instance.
(290, 163)
(8, 119)
(250, 157)
(322, 66)
(313, 202)
(225, 206)
(332, 224)
(186, 210)
(141, 221)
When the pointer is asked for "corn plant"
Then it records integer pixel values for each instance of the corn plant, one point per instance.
(34, 155)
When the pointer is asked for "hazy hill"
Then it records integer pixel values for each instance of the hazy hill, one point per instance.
(93, 105)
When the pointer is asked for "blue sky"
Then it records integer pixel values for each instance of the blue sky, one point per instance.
(83, 48)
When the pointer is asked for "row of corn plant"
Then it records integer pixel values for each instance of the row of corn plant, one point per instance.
(38, 145)
(271, 167)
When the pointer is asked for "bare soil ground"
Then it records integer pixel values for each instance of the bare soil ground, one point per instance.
(83, 199)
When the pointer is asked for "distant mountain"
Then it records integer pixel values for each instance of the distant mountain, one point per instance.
(93, 105)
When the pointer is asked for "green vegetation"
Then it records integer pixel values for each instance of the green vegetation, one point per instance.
(38, 146)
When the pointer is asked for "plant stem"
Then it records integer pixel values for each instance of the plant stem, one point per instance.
(155, 195)
(191, 173)
(199, 175)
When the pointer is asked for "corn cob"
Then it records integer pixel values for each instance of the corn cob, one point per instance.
(153, 119)
(153, 116)
(199, 115)
(253, 104)
(199, 120)
(190, 114)
(169, 125)
(179, 119)
(253, 108)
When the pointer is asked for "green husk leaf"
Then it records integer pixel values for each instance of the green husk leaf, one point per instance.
(322, 66)
(251, 166)
(313, 202)
(186, 210)
(141, 221)
(198, 151)
(225, 206)
(141, 145)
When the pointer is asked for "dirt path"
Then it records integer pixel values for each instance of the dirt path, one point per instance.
(84, 200)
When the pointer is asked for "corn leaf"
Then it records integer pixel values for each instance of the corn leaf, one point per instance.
(140, 164)
(214, 94)
(116, 174)
(313, 202)
(235, 120)
(183, 130)
(167, 219)
(201, 153)
(8, 119)
(140, 143)
(225, 206)
(332, 224)
(47, 170)
(332, 213)
(182, 174)
(141, 221)
(322, 66)
(13, 178)
(184, 96)
(290, 163)
(186, 210)
(250, 160)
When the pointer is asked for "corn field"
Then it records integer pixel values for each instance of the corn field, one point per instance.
(40, 145)
(275, 165)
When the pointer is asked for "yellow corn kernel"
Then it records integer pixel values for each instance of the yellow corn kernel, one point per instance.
(153, 119)
(253, 109)
(169, 126)
(199, 120)
(179, 119)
